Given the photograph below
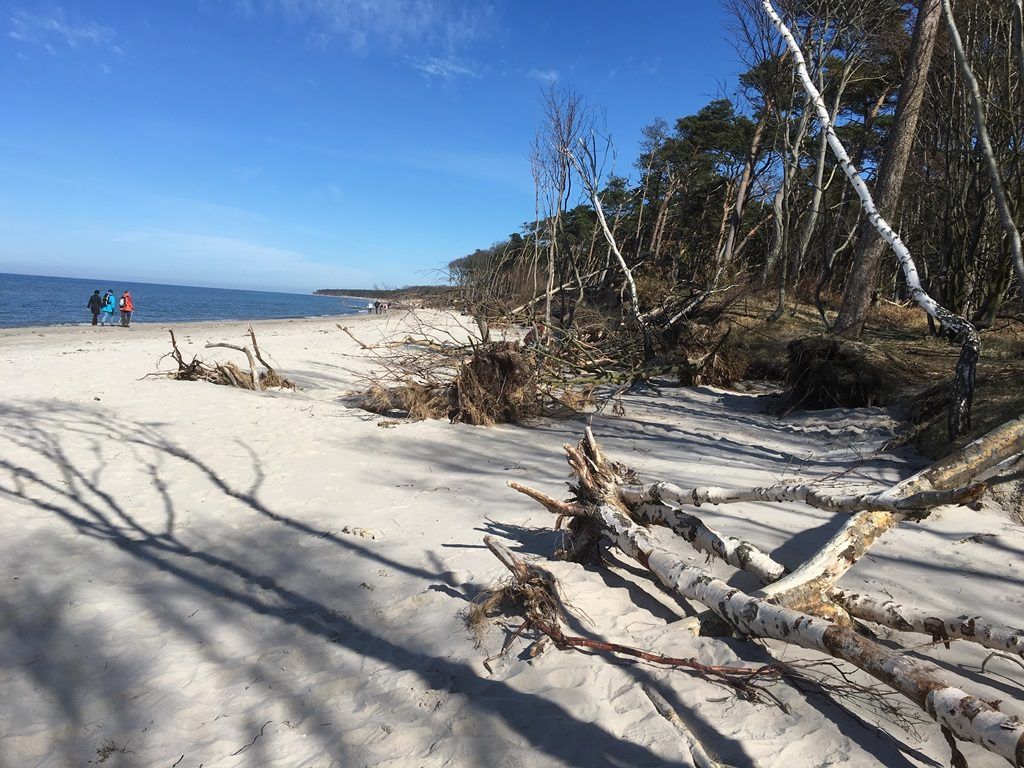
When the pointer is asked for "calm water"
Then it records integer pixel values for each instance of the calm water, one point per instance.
(30, 300)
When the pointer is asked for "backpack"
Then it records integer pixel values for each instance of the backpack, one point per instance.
(120, 302)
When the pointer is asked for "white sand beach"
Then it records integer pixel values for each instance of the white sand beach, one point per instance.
(195, 575)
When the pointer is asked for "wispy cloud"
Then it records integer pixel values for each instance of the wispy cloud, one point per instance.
(544, 75)
(446, 68)
(55, 30)
(361, 24)
(200, 253)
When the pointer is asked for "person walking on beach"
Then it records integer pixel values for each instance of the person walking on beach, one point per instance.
(109, 305)
(95, 305)
(127, 307)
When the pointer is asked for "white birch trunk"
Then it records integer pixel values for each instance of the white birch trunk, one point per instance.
(736, 552)
(878, 501)
(889, 613)
(807, 585)
(967, 716)
(971, 343)
(590, 181)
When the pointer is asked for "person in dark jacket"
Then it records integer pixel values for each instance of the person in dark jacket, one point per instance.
(95, 306)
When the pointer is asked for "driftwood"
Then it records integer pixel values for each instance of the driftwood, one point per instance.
(536, 589)
(736, 552)
(701, 758)
(806, 588)
(227, 374)
(598, 502)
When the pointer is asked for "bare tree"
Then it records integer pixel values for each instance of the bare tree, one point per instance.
(563, 119)
(584, 157)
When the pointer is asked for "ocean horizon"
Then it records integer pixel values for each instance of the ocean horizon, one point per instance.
(38, 300)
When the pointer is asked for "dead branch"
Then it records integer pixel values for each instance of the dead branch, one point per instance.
(349, 333)
(227, 374)
(537, 589)
(253, 374)
(701, 758)
(736, 552)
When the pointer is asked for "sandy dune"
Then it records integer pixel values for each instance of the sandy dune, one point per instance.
(194, 575)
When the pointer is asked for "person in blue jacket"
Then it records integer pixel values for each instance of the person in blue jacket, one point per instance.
(109, 307)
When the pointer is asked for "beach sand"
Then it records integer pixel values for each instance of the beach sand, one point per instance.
(197, 575)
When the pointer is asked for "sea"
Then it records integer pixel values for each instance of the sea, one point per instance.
(30, 300)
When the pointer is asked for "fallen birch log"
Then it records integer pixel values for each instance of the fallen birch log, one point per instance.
(968, 717)
(889, 613)
(880, 501)
(736, 552)
(806, 588)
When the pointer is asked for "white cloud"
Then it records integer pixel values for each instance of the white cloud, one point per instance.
(54, 29)
(361, 24)
(447, 68)
(544, 75)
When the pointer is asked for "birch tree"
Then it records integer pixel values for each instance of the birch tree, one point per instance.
(963, 385)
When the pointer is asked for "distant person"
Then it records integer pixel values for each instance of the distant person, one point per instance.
(109, 307)
(95, 305)
(369, 308)
(127, 307)
(376, 307)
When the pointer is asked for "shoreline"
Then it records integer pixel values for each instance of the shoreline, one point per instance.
(148, 330)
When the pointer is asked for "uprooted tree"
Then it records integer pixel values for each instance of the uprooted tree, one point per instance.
(800, 605)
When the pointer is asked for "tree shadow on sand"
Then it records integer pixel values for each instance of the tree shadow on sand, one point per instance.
(245, 578)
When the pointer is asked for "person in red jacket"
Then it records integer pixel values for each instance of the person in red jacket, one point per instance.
(127, 307)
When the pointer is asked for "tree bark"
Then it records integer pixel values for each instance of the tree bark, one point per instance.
(736, 552)
(743, 191)
(870, 247)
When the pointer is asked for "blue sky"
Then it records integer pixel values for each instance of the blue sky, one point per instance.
(300, 144)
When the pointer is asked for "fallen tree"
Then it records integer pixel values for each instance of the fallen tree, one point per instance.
(607, 503)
